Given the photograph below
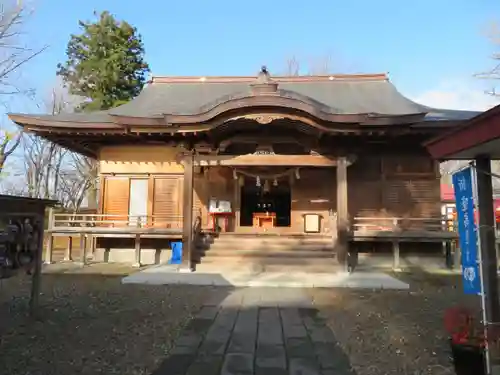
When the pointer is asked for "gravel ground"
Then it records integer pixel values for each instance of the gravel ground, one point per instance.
(395, 332)
(91, 324)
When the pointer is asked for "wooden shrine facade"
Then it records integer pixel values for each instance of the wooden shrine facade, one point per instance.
(330, 155)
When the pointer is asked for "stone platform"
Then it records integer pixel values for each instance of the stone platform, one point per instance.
(167, 274)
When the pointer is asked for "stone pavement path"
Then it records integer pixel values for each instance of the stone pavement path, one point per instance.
(257, 331)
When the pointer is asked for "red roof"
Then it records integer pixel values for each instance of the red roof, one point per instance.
(475, 137)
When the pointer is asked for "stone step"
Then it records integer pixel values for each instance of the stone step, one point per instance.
(274, 239)
(276, 243)
(268, 253)
(325, 267)
(235, 260)
(267, 248)
(271, 241)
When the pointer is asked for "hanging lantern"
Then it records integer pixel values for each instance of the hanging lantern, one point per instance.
(275, 182)
(235, 175)
(266, 186)
(257, 181)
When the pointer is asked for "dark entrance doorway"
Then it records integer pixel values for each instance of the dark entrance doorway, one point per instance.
(276, 199)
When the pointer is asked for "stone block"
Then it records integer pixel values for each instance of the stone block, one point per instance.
(238, 364)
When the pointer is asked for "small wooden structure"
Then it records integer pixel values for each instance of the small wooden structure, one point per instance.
(22, 222)
(345, 148)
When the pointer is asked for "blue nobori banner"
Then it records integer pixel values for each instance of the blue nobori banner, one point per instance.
(467, 230)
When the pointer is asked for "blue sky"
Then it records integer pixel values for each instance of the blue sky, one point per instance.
(430, 48)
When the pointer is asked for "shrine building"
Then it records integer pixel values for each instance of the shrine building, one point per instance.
(337, 157)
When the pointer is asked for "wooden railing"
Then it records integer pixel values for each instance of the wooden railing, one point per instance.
(395, 224)
(403, 229)
(60, 221)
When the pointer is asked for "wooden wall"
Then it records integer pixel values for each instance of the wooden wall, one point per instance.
(314, 192)
(139, 159)
(394, 186)
(119, 164)
(378, 185)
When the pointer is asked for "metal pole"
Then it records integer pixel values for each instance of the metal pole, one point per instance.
(481, 273)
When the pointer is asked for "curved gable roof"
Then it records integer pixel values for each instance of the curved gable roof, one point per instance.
(341, 95)
(349, 95)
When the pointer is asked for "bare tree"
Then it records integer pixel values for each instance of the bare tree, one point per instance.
(14, 54)
(77, 180)
(292, 67)
(54, 172)
(493, 34)
(315, 66)
(320, 65)
(43, 164)
(9, 141)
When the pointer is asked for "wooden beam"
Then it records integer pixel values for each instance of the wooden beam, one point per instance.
(187, 211)
(266, 160)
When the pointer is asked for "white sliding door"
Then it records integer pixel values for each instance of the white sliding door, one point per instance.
(138, 204)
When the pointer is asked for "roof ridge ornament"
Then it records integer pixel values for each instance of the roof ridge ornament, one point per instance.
(264, 84)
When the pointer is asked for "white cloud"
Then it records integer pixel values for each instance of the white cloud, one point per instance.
(457, 96)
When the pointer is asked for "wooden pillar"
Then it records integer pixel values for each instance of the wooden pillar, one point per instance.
(68, 253)
(50, 239)
(187, 210)
(137, 250)
(487, 239)
(83, 248)
(236, 204)
(37, 273)
(395, 249)
(342, 211)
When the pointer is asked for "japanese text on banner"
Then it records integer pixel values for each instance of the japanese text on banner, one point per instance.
(462, 183)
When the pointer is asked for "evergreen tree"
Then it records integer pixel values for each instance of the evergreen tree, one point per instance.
(105, 63)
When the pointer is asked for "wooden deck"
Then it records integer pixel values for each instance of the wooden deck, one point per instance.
(403, 229)
(88, 228)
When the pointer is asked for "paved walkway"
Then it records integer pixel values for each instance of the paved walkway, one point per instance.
(257, 331)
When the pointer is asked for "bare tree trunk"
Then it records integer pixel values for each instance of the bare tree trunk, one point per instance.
(8, 144)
